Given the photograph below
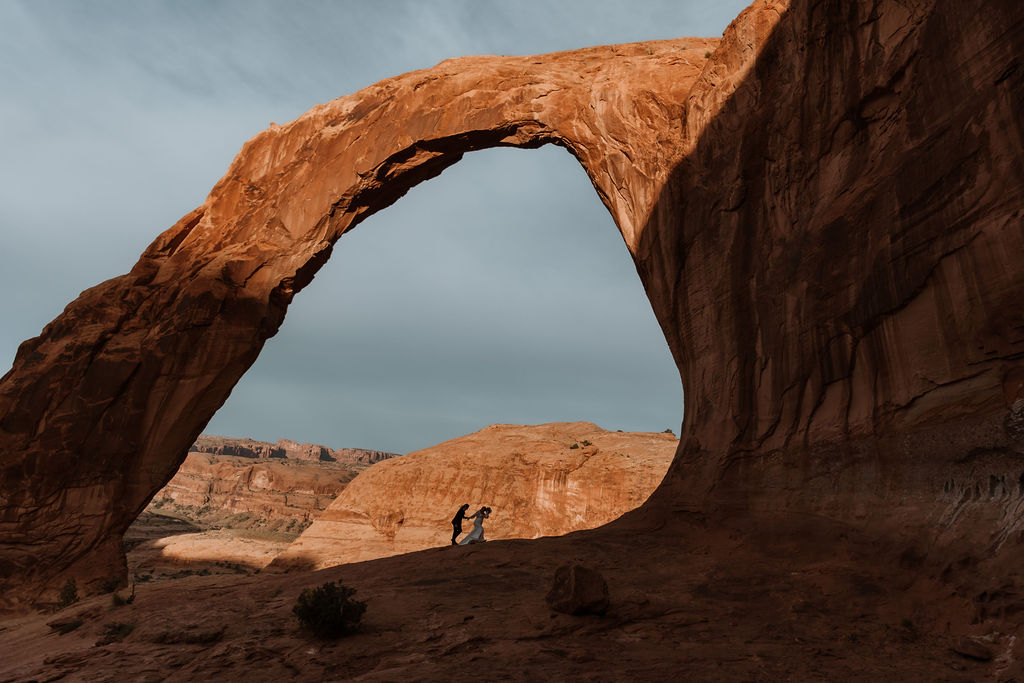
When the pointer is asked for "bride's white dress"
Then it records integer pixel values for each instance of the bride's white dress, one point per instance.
(476, 535)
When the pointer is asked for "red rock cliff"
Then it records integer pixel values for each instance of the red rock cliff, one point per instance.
(543, 480)
(271, 490)
(825, 216)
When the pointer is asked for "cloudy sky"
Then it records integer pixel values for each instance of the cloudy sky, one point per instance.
(498, 292)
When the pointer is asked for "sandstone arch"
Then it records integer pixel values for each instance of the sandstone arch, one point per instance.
(842, 336)
(98, 411)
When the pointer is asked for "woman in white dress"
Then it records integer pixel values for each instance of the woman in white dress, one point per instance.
(476, 535)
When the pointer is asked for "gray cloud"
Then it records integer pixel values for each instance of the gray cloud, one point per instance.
(499, 292)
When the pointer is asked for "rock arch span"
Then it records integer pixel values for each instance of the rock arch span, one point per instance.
(825, 215)
(99, 410)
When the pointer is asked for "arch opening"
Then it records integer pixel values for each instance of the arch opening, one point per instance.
(497, 293)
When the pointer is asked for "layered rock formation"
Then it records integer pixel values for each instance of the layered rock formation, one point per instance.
(242, 448)
(285, 448)
(269, 490)
(543, 480)
(826, 217)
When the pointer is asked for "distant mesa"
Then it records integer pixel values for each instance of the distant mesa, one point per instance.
(238, 501)
(285, 449)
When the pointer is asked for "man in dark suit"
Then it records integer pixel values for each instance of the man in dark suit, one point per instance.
(457, 522)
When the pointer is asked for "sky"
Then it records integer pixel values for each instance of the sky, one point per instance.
(499, 292)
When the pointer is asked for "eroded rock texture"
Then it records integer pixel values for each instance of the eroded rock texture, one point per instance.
(825, 216)
(271, 490)
(542, 480)
(839, 254)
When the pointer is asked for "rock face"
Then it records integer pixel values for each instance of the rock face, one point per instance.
(285, 448)
(544, 480)
(270, 490)
(825, 214)
(242, 448)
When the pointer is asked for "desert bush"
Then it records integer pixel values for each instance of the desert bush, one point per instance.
(68, 594)
(586, 443)
(574, 447)
(329, 611)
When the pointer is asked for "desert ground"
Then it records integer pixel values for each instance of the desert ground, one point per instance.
(714, 603)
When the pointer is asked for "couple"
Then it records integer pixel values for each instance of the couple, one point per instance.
(478, 517)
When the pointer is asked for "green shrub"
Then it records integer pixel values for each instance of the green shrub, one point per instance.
(329, 611)
(707, 55)
(586, 443)
(574, 446)
(68, 594)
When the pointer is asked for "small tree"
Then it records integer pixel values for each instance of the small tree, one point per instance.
(329, 611)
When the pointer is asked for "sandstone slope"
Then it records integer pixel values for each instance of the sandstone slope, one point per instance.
(543, 480)
(688, 602)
